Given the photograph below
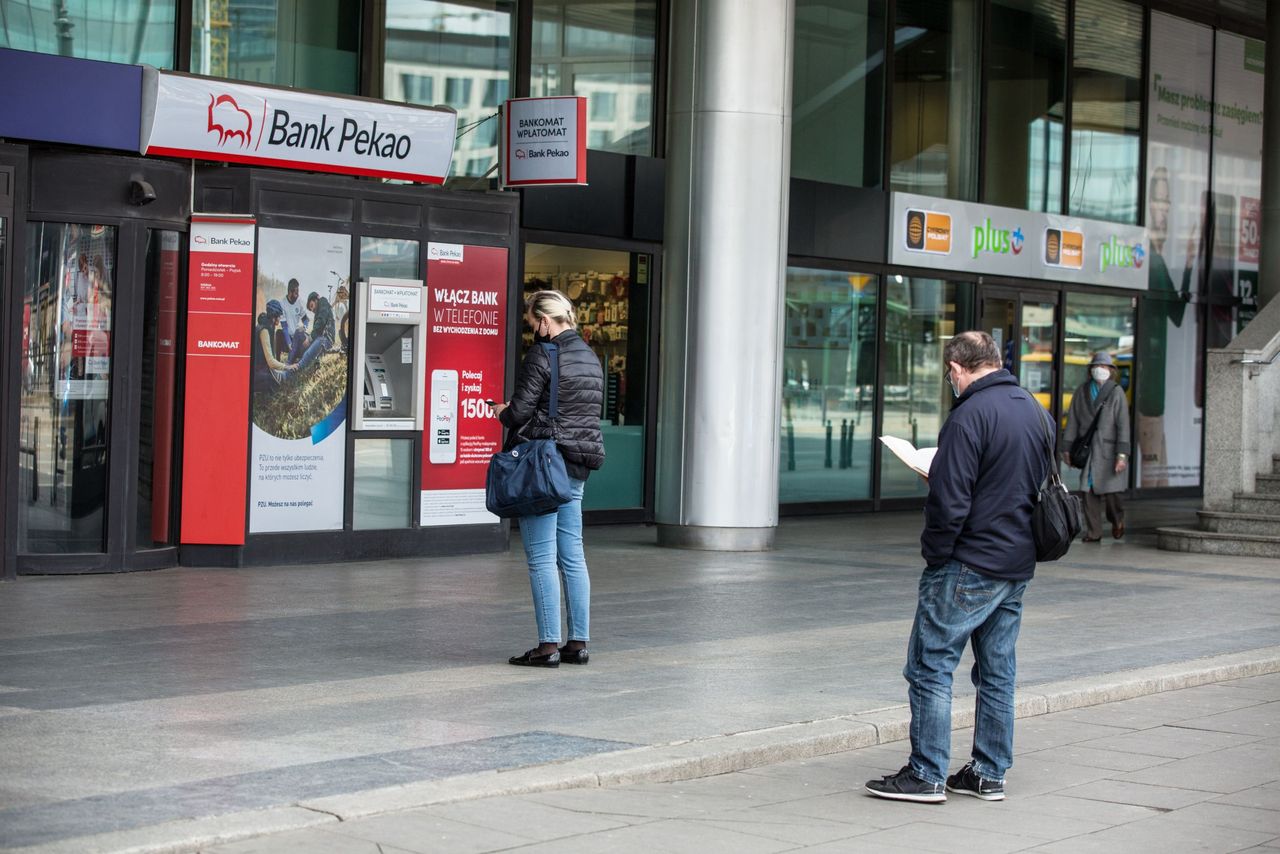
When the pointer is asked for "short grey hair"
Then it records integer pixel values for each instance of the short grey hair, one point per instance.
(972, 350)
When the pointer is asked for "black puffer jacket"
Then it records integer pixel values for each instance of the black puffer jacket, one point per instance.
(581, 401)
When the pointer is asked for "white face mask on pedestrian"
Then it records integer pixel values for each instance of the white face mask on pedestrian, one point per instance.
(1100, 374)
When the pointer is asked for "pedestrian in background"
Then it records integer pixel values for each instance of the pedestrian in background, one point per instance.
(979, 555)
(553, 541)
(1102, 479)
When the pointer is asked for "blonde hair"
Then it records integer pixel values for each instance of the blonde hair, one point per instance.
(553, 305)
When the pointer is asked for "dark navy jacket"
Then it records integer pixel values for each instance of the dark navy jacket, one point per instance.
(992, 456)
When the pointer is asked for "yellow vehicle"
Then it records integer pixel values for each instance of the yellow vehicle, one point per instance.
(1037, 376)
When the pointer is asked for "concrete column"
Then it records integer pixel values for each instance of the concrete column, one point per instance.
(1269, 263)
(728, 167)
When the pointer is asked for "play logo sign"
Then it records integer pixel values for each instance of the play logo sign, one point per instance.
(1064, 248)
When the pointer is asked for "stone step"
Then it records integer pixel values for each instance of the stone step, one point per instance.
(1208, 542)
(1239, 523)
(1256, 503)
(1267, 484)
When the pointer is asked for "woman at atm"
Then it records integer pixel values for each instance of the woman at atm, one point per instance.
(553, 541)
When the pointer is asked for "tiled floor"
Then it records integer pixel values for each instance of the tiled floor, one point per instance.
(1151, 780)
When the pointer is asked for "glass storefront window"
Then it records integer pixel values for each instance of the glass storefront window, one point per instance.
(457, 54)
(133, 32)
(1026, 94)
(1106, 100)
(1237, 186)
(934, 147)
(610, 291)
(389, 258)
(828, 386)
(1095, 322)
(65, 409)
(381, 491)
(838, 92)
(921, 315)
(604, 51)
(159, 389)
(1169, 397)
(311, 45)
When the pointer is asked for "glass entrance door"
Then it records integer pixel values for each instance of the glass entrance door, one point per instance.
(97, 400)
(1024, 325)
(65, 409)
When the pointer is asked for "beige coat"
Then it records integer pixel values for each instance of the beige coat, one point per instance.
(1111, 439)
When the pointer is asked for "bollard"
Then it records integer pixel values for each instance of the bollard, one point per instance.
(827, 462)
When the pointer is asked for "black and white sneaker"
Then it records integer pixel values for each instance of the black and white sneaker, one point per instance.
(967, 782)
(906, 786)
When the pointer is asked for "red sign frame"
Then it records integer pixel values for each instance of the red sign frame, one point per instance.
(215, 453)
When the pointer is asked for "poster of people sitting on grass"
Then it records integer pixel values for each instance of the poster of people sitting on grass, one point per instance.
(299, 382)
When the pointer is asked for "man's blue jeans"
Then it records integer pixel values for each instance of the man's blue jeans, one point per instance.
(553, 546)
(958, 604)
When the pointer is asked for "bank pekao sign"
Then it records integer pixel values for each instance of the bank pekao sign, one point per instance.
(544, 141)
(211, 119)
(932, 232)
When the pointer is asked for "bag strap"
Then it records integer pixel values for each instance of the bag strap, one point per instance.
(1046, 417)
(553, 355)
(1093, 425)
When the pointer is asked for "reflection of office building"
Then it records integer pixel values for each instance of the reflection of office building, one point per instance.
(913, 125)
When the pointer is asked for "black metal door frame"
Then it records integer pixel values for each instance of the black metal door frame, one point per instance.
(1022, 292)
(12, 179)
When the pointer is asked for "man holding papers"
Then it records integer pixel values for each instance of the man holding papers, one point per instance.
(979, 555)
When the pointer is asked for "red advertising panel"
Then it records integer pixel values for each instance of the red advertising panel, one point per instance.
(466, 358)
(216, 421)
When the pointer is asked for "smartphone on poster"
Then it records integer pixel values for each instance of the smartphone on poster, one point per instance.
(444, 417)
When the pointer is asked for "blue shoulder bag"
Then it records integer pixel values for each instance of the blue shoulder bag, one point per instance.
(530, 479)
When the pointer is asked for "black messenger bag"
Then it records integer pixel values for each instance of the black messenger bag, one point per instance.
(1055, 519)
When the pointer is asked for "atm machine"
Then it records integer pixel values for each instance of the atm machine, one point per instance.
(389, 360)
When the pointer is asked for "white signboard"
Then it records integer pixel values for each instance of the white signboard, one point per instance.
(211, 119)
(544, 141)
(388, 298)
(933, 232)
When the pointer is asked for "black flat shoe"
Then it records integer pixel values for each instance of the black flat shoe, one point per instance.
(551, 659)
(577, 656)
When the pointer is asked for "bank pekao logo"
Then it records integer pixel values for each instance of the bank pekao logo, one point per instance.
(1064, 248)
(229, 121)
(1114, 253)
(444, 252)
(928, 231)
(998, 241)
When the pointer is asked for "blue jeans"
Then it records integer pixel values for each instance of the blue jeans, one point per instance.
(314, 351)
(958, 604)
(553, 546)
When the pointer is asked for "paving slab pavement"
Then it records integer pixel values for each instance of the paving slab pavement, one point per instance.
(1223, 795)
(156, 711)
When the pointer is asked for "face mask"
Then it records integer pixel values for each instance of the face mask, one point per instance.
(955, 392)
(1100, 374)
(539, 335)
